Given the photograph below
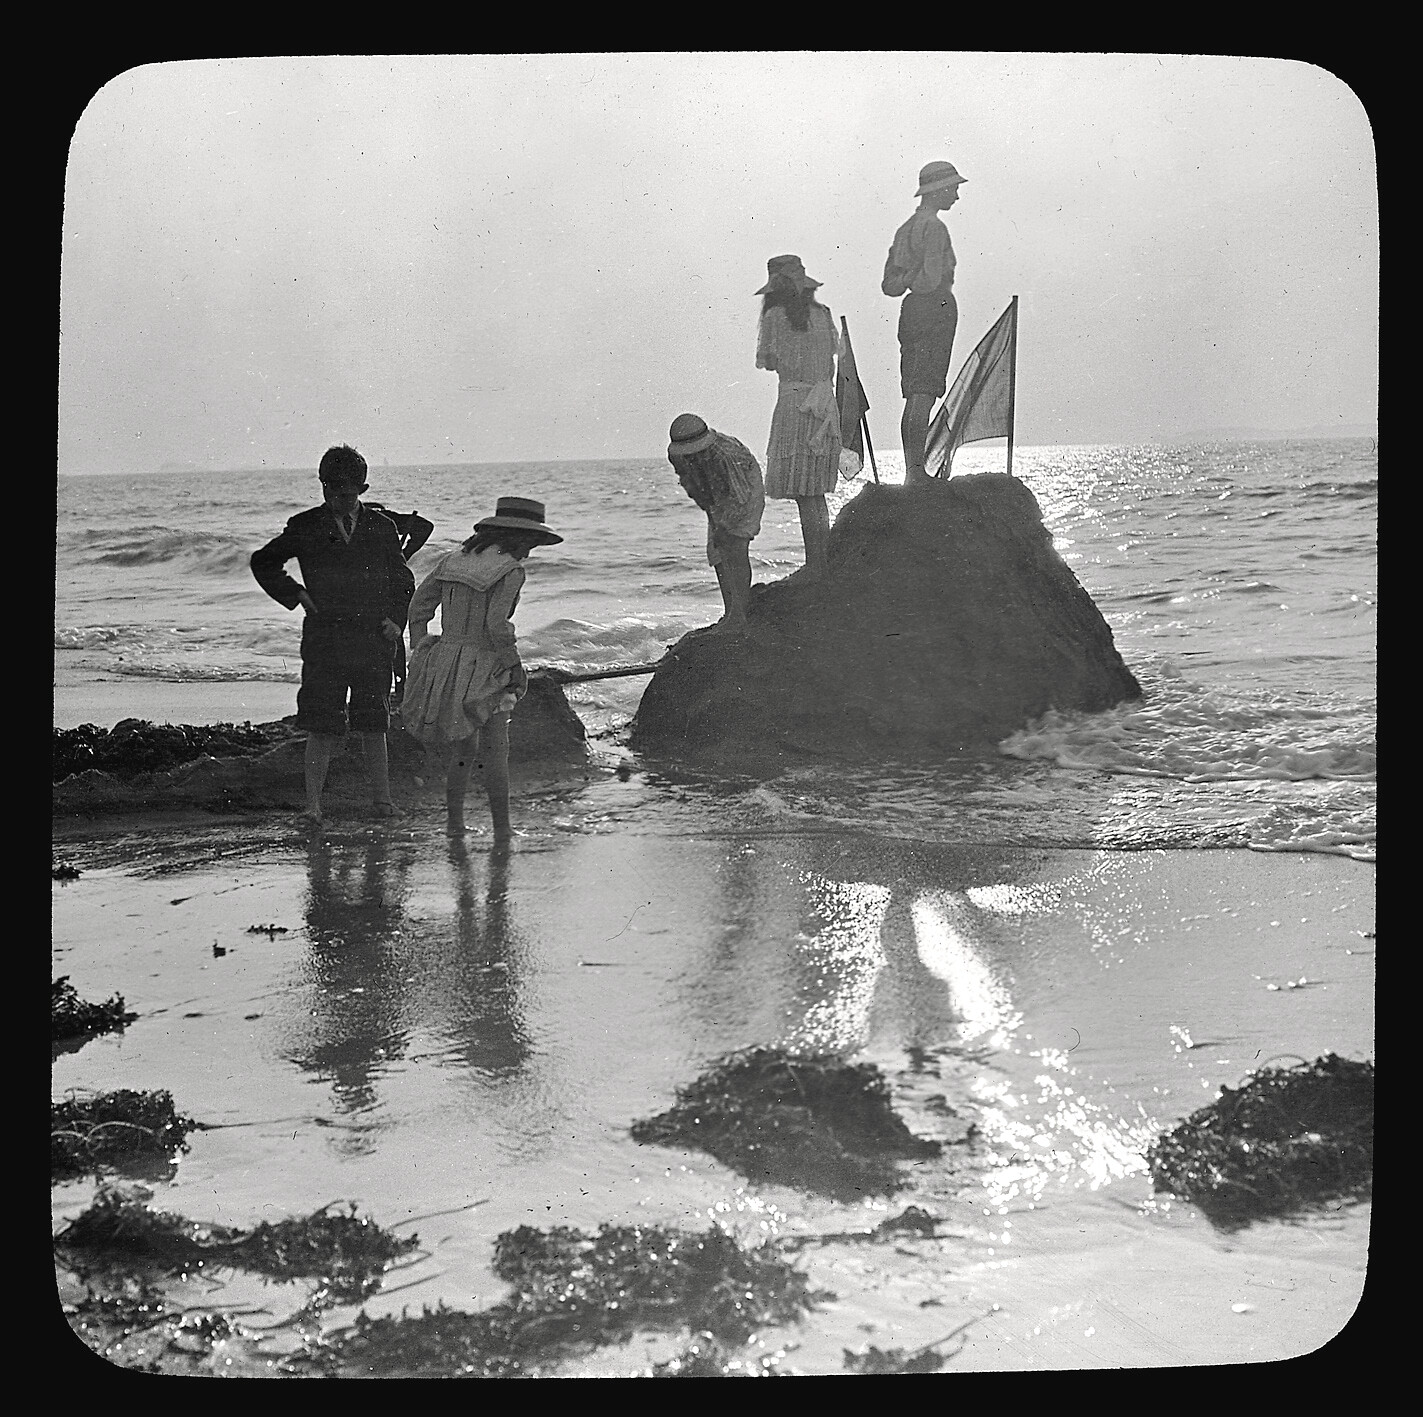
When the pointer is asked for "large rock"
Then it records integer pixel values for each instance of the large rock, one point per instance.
(544, 727)
(947, 621)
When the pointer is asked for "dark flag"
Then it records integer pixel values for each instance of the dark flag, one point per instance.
(980, 403)
(851, 401)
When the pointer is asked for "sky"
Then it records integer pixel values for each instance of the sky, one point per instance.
(488, 258)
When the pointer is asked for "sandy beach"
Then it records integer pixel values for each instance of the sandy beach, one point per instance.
(108, 701)
(432, 1030)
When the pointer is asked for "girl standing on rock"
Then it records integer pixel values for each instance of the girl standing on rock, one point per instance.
(464, 682)
(797, 340)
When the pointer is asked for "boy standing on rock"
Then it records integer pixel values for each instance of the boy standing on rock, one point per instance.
(920, 267)
(356, 598)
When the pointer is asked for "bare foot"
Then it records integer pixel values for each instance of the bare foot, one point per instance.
(309, 820)
(455, 828)
(385, 810)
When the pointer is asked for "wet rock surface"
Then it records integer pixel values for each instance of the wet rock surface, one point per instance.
(136, 746)
(141, 765)
(947, 621)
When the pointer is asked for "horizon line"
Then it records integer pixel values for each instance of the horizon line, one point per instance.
(1242, 435)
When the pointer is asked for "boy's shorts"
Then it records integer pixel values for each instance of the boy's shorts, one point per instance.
(337, 658)
(926, 341)
(721, 543)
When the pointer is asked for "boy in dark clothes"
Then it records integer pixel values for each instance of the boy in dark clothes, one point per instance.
(356, 597)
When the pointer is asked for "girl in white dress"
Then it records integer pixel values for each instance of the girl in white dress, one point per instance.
(796, 339)
(463, 683)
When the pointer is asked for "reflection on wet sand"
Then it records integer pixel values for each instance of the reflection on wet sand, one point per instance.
(736, 984)
(474, 974)
(869, 949)
(349, 1027)
(815, 945)
(377, 988)
(818, 958)
(949, 934)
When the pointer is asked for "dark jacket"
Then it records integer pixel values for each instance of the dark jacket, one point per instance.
(363, 580)
(412, 529)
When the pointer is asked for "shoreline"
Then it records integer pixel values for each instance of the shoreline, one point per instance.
(109, 701)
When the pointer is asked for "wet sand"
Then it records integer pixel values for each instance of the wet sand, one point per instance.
(80, 699)
(442, 1031)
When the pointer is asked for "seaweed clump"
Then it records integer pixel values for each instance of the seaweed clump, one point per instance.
(86, 1134)
(881, 1362)
(574, 1291)
(870, 1361)
(347, 1253)
(1287, 1140)
(135, 745)
(705, 1357)
(71, 1017)
(814, 1122)
(130, 1325)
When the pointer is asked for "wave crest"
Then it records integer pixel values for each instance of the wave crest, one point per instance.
(153, 546)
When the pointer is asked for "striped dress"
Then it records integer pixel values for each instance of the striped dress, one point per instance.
(803, 453)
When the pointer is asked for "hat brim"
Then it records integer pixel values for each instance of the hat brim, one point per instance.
(804, 284)
(542, 533)
(940, 185)
(698, 444)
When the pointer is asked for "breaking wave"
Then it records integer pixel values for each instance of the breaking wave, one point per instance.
(1179, 730)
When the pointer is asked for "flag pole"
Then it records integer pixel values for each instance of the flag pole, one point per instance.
(869, 446)
(1012, 385)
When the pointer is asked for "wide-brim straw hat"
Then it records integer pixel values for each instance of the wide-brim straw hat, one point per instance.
(520, 514)
(935, 176)
(792, 268)
(689, 434)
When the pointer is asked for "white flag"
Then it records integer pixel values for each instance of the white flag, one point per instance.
(980, 404)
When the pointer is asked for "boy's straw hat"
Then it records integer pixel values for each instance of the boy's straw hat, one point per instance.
(689, 434)
(790, 267)
(935, 176)
(520, 514)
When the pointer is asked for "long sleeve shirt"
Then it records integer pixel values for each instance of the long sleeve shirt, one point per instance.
(727, 486)
(494, 581)
(923, 251)
(363, 579)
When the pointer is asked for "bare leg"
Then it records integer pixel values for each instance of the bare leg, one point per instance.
(815, 531)
(320, 748)
(733, 574)
(378, 767)
(913, 427)
(460, 760)
(494, 743)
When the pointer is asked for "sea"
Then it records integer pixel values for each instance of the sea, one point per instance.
(1239, 579)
